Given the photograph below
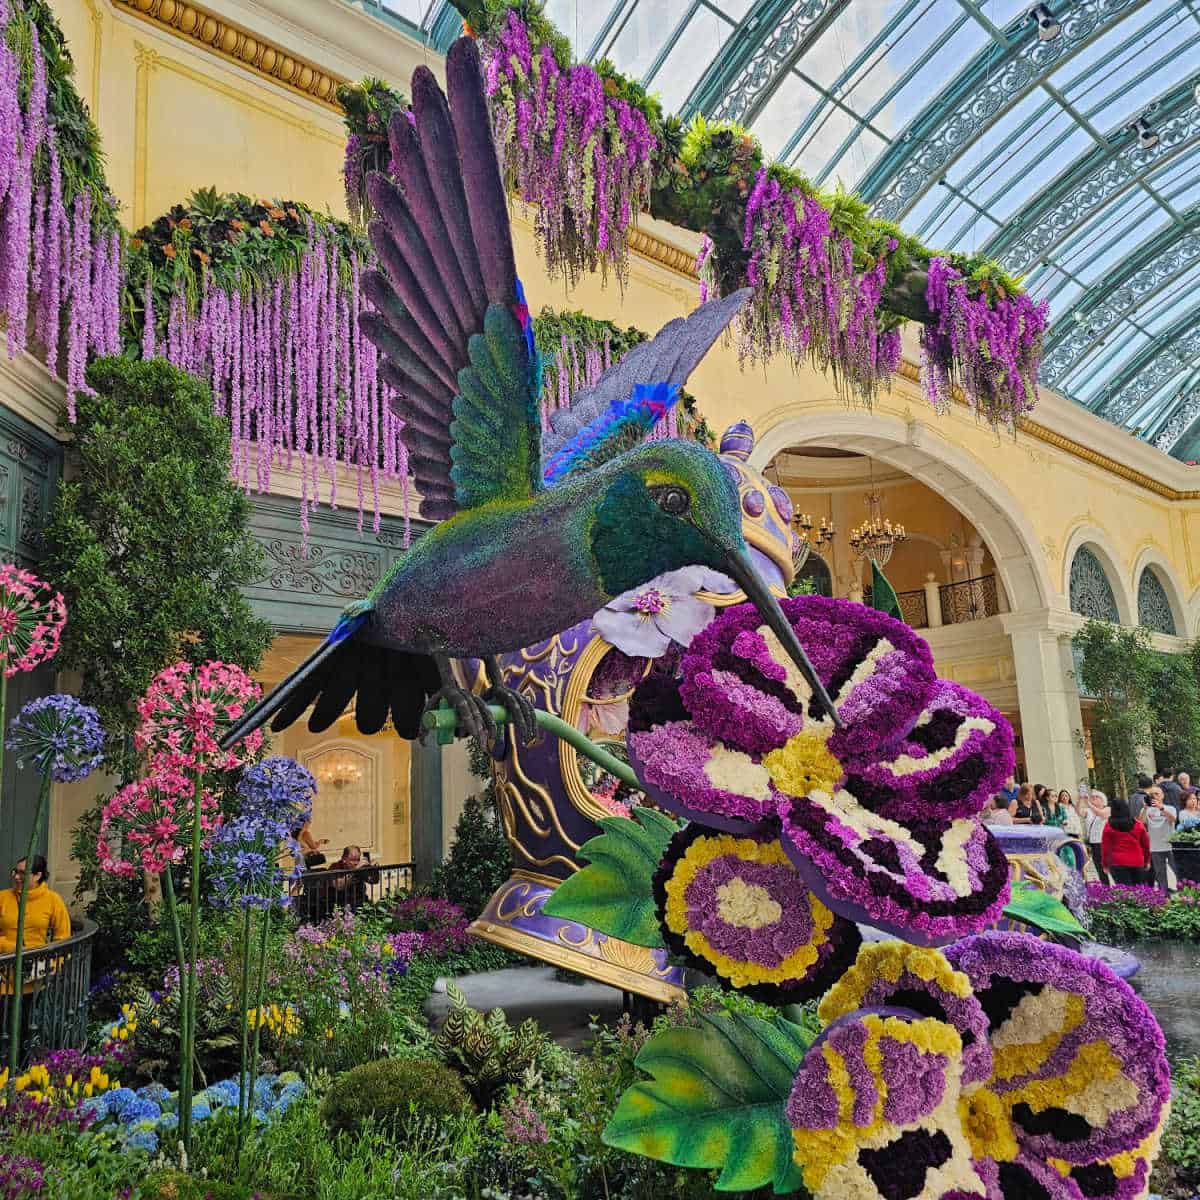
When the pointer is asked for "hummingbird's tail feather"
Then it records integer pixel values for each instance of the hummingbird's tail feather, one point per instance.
(395, 682)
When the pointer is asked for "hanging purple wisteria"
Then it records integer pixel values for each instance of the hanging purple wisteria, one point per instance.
(582, 156)
(60, 255)
(263, 301)
(990, 348)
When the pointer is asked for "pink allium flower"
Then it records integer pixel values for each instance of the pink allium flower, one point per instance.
(32, 616)
(187, 709)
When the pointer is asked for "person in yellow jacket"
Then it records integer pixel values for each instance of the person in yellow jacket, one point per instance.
(46, 916)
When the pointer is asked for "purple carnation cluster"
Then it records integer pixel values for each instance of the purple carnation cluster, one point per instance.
(59, 736)
(879, 817)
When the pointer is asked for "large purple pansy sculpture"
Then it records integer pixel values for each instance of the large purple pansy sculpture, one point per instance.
(1004, 1067)
(879, 816)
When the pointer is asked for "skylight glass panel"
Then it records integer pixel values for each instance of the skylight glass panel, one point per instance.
(858, 159)
(689, 58)
(777, 121)
(580, 20)
(859, 31)
(1169, 61)
(413, 11)
(642, 33)
(823, 141)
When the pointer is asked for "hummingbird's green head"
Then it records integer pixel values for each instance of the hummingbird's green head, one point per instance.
(666, 505)
(671, 504)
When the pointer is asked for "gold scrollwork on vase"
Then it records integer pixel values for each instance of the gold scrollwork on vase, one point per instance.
(516, 902)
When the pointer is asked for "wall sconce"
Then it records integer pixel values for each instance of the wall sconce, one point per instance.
(338, 769)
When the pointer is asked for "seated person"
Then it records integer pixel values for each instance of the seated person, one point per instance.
(350, 889)
(46, 916)
(1001, 810)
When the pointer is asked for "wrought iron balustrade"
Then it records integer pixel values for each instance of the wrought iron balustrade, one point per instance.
(913, 608)
(969, 600)
(318, 892)
(55, 981)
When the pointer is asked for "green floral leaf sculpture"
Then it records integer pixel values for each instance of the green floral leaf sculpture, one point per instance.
(614, 893)
(716, 1100)
(1038, 908)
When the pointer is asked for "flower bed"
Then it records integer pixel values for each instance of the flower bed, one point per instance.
(1121, 913)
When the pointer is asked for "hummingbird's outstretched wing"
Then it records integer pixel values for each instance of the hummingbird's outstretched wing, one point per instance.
(451, 320)
(633, 394)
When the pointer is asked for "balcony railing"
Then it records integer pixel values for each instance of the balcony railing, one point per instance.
(913, 608)
(55, 980)
(317, 893)
(970, 600)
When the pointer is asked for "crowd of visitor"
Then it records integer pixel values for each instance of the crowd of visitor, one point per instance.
(1129, 840)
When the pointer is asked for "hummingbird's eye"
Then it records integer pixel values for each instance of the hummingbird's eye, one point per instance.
(672, 500)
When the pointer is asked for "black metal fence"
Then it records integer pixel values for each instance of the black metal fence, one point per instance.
(913, 608)
(55, 981)
(318, 892)
(970, 600)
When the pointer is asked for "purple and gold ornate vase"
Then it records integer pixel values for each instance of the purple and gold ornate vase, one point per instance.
(551, 798)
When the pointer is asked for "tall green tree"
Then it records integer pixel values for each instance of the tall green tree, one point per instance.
(1116, 666)
(149, 539)
(1175, 705)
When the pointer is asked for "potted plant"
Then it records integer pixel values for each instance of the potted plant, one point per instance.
(1186, 846)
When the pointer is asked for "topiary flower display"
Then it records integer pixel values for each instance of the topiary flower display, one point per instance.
(1005, 1068)
(877, 816)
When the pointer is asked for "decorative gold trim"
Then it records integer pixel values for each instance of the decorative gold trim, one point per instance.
(535, 877)
(147, 61)
(236, 45)
(583, 964)
(658, 250)
(97, 34)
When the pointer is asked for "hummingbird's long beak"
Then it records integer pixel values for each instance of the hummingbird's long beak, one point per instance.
(740, 567)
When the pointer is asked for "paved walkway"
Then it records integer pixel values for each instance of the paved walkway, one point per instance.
(563, 1010)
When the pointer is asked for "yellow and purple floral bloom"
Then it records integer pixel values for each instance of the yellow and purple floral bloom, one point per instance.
(737, 907)
(1060, 1094)
(878, 816)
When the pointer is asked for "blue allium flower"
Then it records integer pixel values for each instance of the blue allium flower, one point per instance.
(60, 736)
(278, 789)
(246, 858)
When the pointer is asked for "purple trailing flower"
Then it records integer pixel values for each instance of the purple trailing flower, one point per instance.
(878, 816)
(59, 736)
(278, 790)
(644, 622)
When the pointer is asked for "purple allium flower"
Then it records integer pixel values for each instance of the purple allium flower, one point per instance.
(246, 859)
(278, 789)
(60, 736)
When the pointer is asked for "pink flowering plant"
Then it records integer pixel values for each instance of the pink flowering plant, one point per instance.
(32, 616)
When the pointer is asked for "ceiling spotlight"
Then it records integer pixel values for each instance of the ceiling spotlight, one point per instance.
(1147, 138)
(1048, 27)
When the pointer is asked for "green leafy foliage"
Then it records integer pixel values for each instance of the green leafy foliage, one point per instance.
(1115, 667)
(614, 893)
(367, 110)
(1177, 1173)
(1038, 908)
(149, 540)
(393, 1094)
(1175, 684)
(716, 1099)
(486, 1051)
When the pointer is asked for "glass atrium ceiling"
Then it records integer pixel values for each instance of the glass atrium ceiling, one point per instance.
(1065, 143)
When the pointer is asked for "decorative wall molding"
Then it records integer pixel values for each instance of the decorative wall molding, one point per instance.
(234, 44)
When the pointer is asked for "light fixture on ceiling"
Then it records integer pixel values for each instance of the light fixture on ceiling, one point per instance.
(807, 540)
(876, 538)
(1048, 26)
(1147, 138)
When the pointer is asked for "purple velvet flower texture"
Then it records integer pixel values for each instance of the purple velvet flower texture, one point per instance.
(878, 816)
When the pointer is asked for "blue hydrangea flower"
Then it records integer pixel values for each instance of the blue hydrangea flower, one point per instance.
(143, 1139)
(60, 736)
(226, 1092)
(169, 1120)
(140, 1110)
(201, 1110)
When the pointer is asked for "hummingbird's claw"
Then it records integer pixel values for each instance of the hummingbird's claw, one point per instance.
(520, 709)
(471, 711)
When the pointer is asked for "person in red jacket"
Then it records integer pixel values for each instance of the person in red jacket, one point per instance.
(1124, 845)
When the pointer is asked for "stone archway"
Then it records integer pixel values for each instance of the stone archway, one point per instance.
(955, 475)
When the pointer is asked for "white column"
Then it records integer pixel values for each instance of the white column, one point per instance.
(1051, 721)
(933, 600)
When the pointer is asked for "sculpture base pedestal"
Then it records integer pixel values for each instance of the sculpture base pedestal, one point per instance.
(514, 919)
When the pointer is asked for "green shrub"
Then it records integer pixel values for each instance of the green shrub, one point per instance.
(393, 1092)
(1177, 1172)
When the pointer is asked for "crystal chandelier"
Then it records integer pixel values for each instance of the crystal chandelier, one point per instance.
(808, 539)
(338, 769)
(875, 538)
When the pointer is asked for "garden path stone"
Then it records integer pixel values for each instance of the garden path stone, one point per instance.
(563, 1010)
